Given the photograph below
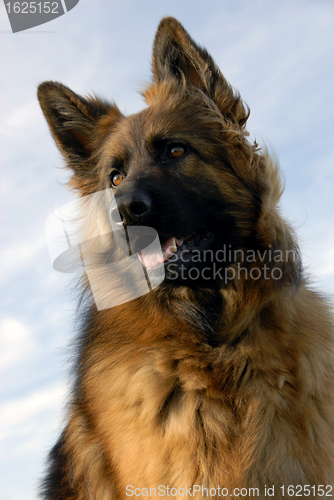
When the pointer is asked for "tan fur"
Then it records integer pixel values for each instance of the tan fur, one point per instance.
(154, 403)
(242, 417)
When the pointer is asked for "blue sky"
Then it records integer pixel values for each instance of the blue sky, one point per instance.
(277, 53)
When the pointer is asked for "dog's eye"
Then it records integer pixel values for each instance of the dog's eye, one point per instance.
(176, 150)
(116, 178)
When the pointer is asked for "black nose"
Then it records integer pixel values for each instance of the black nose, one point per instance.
(133, 208)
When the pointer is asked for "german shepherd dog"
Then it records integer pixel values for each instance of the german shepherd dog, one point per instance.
(219, 381)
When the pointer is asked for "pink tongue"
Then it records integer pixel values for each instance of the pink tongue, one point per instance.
(150, 258)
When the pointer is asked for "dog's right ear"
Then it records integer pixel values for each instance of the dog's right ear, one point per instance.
(78, 125)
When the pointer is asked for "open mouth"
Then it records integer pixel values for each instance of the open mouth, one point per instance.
(177, 247)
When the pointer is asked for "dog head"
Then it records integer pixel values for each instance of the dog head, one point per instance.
(183, 166)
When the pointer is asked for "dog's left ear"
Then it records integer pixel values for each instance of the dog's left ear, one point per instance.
(177, 56)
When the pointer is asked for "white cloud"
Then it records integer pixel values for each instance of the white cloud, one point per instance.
(16, 342)
(328, 264)
(19, 412)
(24, 115)
(18, 254)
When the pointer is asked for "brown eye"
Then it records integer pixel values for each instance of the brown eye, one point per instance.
(176, 151)
(116, 178)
